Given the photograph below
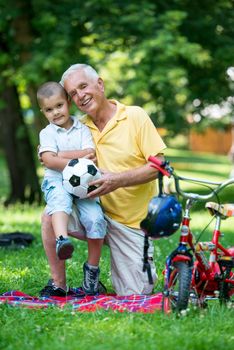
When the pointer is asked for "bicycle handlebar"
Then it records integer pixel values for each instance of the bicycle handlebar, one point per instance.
(166, 170)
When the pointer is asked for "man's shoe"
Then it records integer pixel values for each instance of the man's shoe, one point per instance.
(50, 290)
(64, 248)
(91, 279)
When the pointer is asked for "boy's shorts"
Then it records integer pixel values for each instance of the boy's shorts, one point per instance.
(126, 251)
(90, 212)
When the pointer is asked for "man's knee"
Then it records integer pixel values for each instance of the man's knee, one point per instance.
(132, 279)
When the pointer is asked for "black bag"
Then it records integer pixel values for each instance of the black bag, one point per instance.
(16, 239)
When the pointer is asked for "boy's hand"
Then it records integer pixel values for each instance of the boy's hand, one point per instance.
(92, 156)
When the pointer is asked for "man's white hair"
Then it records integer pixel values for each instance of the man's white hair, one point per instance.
(89, 71)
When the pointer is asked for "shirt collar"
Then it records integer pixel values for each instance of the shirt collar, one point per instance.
(76, 124)
(119, 114)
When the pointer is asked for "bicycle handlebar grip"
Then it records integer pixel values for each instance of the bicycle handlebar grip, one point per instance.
(155, 161)
(159, 164)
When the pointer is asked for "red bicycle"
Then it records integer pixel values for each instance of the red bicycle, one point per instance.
(197, 271)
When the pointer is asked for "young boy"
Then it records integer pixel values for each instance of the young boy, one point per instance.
(63, 139)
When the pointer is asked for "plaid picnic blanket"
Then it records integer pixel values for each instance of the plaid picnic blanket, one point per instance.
(132, 303)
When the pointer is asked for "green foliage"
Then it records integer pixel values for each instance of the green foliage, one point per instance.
(173, 52)
(223, 124)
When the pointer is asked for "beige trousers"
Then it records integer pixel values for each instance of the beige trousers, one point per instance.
(126, 251)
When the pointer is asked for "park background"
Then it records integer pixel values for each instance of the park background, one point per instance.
(173, 58)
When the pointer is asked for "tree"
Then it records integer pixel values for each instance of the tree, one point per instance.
(175, 52)
(18, 150)
(14, 134)
(162, 55)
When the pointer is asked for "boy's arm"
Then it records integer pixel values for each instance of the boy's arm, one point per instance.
(52, 161)
(87, 152)
(58, 161)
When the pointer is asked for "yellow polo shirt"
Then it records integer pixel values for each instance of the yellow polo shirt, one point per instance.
(125, 143)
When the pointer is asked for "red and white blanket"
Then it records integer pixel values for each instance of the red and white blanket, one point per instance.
(132, 303)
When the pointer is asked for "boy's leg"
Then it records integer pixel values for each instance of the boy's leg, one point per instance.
(64, 247)
(92, 218)
(59, 206)
(57, 284)
(126, 248)
(60, 223)
(57, 267)
(94, 251)
(91, 267)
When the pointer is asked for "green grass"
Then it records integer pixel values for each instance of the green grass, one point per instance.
(53, 329)
(27, 270)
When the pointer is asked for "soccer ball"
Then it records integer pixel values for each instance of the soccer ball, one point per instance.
(77, 175)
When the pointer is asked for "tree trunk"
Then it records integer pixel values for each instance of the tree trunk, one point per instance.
(18, 150)
(14, 134)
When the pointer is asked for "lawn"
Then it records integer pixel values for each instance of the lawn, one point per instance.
(27, 270)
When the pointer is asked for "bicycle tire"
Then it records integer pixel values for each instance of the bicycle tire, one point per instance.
(226, 290)
(176, 297)
(224, 293)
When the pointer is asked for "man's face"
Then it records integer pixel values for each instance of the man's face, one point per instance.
(86, 92)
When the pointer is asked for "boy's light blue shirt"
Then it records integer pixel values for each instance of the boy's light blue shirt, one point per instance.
(54, 139)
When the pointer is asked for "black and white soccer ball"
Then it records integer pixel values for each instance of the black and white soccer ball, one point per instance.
(77, 175)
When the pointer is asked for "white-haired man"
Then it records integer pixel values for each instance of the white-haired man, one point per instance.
(124, 137)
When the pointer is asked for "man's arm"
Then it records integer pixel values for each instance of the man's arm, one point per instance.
(112, 181)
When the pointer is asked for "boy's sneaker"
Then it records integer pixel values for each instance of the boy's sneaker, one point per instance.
(50, 290)
(91, 279)
(64, 248)
(101, 288)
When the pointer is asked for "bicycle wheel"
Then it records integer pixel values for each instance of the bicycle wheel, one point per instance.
(176, 297)
(226, 290)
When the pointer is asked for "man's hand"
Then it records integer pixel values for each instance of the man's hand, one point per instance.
(106, 184)
(112, 181)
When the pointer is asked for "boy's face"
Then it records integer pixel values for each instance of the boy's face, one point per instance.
(56, 110)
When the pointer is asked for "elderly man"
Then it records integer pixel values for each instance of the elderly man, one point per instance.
(124, 137)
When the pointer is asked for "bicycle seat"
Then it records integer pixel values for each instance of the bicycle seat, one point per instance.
(225, 210)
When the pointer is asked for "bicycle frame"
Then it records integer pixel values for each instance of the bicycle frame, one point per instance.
(209, 274)
(199, 278)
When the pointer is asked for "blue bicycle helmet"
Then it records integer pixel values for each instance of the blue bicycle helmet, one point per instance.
(163, 218)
